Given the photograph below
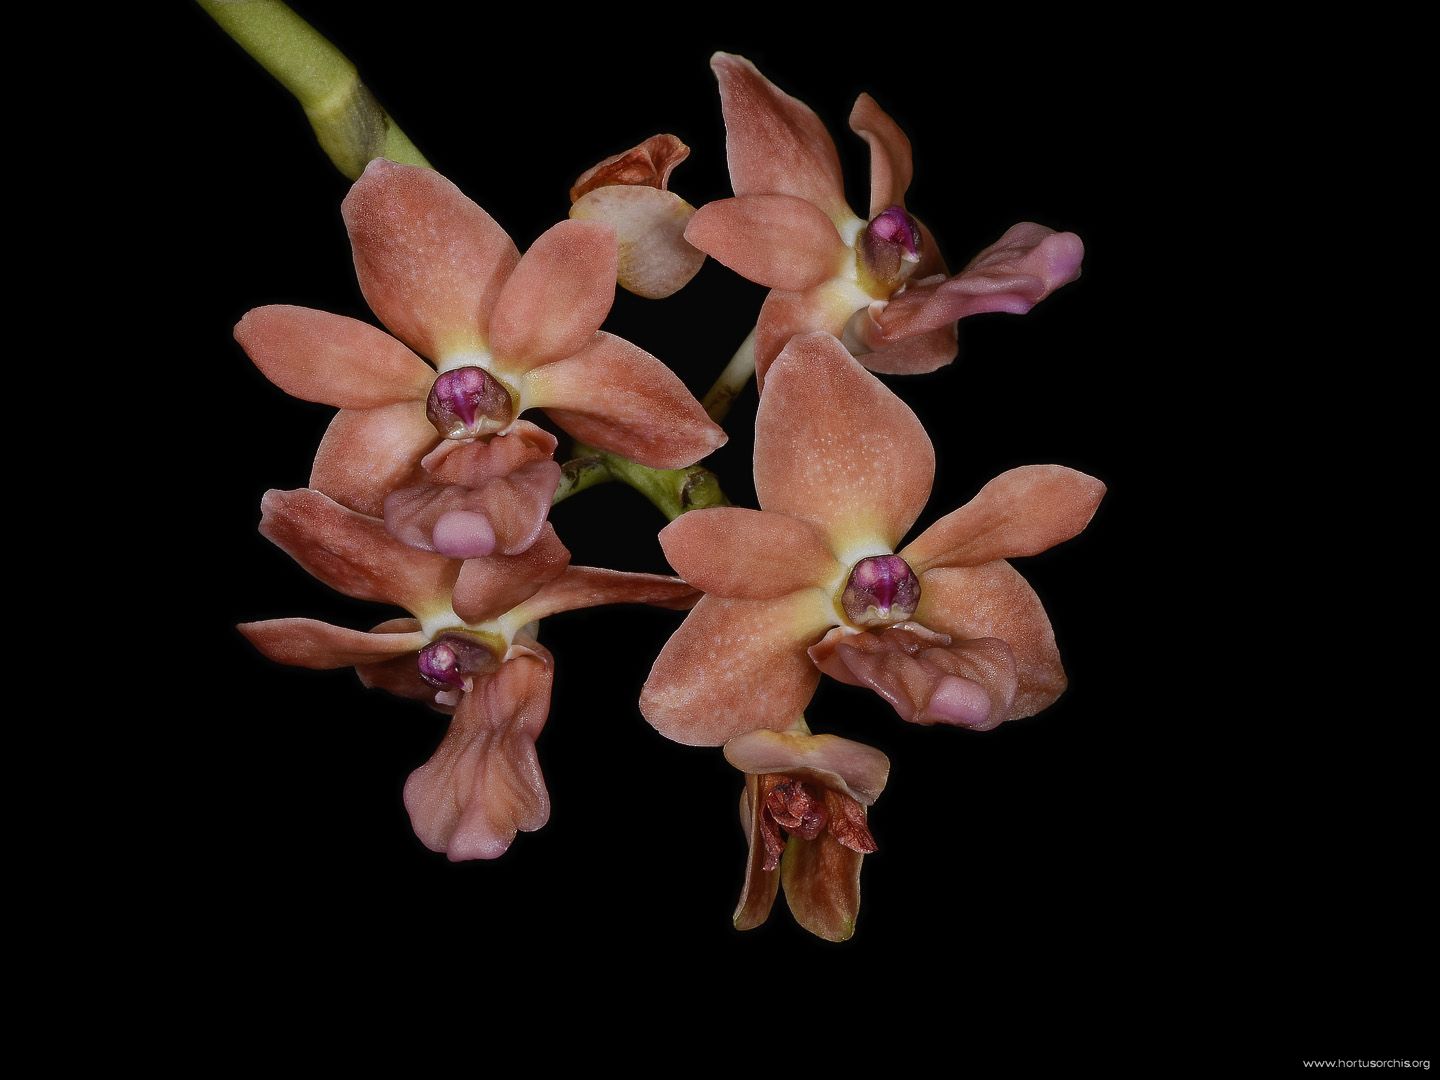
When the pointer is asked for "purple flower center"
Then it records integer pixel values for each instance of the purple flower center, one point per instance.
(889, 247)
(882, 590)
(451, 660)
(468, 401)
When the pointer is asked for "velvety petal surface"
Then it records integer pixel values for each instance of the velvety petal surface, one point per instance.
(735, 666)
(368, 453)
(484, 783)
(618, 397)
(858, 770)
(914, 355)
(489, 587)
(317, 356)
(776, 240)
(1014, 274)
(353, 553)
(655, 259)
(313, 644)
(826, 308)
(821, 878)
(557, 297)
(430, 262)
(401, 675)
(1021, 512)
(749, 554)
(776, 145)
(994, 601)
(592, 586)
(891, 168)
(835, 447)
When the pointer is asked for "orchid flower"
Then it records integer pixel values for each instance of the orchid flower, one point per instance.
(630, 192)
(878, 283)
(469, 648)
(505, 334)
(804, 814)
(945, 629)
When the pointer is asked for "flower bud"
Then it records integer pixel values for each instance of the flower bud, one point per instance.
(468, 401)
(882, 590)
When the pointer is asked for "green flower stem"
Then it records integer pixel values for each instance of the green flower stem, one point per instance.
(732, 380)
(673, 491)
(352, 127)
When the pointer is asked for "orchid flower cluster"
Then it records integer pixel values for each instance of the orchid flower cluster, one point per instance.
(432, 487)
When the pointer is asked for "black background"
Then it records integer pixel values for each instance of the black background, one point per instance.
(1143, 850)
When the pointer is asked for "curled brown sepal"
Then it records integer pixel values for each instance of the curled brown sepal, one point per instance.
(804, 814)
(629, 192)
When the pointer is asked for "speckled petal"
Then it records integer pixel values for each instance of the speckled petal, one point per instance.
(749, 554)
(1021, 512)
(368, 453)
(775, 144)
(826, 308)
(353, 553)
(618, 397)
(557, 297)
(735, 666)
(835, 447)
(430, 262)
(317, 356)
(488, 587)
(775, 240)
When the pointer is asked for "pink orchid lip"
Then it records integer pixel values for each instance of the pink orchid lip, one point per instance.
(895, 226)
(453, 658)
(468, 401)
(881, 591)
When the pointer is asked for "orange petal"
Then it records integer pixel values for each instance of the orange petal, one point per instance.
(735, 666)
(590, 586)
(749, 554)
(994, 601)
(1021, 512)
(914, 355)
(775, 144)
(858, 770)
(490, 586)
(312, 644)
(557, 297)
(618, 397)
(484, 784)
(430, 262)
(890, 162)
(774, 240)
(655, 260)
(785, 314)
(368, 453)
(317, 356)
(353, 553)
(835, 447)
